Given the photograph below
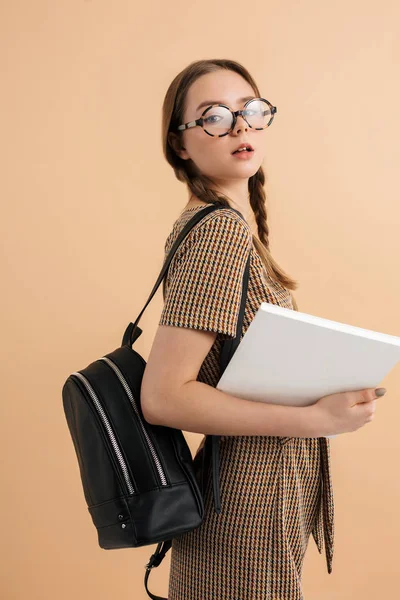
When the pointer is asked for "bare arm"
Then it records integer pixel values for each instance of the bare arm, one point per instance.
(171, 396)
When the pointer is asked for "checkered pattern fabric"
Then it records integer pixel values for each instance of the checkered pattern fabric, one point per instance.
(275, 491)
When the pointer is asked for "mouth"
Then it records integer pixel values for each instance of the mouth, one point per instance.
(243, 154)
(243, 149)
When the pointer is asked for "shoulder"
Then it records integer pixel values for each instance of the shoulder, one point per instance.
(220, 231)
(222, 224)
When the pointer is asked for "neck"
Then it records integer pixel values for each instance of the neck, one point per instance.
(238, 198)
(238, 194)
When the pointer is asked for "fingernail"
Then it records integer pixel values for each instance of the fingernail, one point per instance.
(380, 391)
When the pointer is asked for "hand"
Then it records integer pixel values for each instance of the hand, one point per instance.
(346, 411)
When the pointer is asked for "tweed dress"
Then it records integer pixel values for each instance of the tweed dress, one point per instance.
(275, 491)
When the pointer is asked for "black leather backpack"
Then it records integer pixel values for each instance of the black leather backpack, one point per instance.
(138, 479)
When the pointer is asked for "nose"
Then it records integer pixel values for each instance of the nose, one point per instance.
(240, 124)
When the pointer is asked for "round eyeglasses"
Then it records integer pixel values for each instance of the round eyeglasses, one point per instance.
(218, 119)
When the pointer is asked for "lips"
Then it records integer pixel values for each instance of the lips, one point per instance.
(248, 147)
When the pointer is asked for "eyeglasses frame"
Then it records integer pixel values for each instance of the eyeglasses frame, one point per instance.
(235, 114)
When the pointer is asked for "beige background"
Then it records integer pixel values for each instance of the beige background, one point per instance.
(87, 203)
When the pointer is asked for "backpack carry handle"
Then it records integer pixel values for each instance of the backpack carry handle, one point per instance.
(155, 560)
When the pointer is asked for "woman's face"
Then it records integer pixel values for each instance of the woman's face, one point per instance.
(213, 155)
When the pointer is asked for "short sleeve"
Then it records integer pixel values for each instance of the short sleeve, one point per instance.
(205, 286)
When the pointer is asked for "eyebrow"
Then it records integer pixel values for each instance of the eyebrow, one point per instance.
(209, 102)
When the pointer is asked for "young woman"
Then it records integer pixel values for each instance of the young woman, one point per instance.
(275, 479)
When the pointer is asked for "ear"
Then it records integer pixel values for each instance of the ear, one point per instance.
(176, 143)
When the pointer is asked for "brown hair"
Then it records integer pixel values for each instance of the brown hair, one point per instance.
(198, 183)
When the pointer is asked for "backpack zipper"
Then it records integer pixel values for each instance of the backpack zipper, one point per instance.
(132, 400)
(109, 431)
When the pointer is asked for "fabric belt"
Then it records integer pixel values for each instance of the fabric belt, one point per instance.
(323, 529)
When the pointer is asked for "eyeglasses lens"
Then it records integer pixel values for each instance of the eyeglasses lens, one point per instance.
(218, 120)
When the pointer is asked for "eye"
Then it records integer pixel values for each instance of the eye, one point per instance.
(211, 117)
(249, 112)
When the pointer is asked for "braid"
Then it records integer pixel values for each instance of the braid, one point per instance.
(201, 187)
(258, 204)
